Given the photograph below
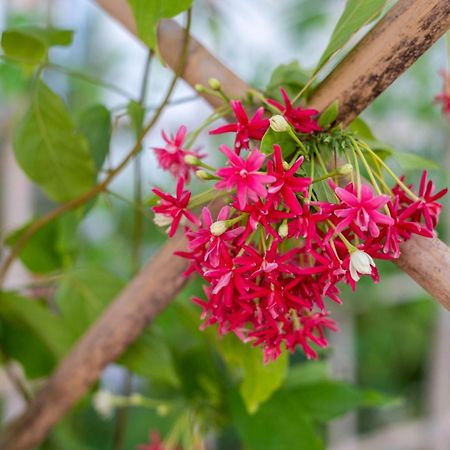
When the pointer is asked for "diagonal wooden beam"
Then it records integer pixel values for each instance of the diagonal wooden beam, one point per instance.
(160, 280)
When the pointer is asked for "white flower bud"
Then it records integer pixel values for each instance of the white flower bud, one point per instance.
(202, 175)
(161, 220)
(200, 88)
(283, 230)
(191, 160)
(279, 124)
(218, 228)
(286, 165)
(360, 263)
(214, 84)
(346, 169)
(104, 403)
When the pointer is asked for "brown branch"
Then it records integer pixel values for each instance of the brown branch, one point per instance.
(415, 23)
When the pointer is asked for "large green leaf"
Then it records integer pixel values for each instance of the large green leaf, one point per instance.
(147, 14)
(411, 161)
(31, 334)
(51, 246)
(95, 125)
(50, 151)
(259, 380)
(151, 357)
(291, 77)
(283, 139)
(83, 294)
(357, 13)
(30, 44)
(281, 423)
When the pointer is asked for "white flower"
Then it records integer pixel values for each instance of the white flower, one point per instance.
(218, 228)
(279, 124)
(360, 263)
(162, 220)
(104, 403)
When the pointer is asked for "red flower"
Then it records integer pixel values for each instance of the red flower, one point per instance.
(301, 119)
(361, 210)
(245, 129)
(155, 443)
(174, 208)
(286, 184)
(171, 157)
(244, 176)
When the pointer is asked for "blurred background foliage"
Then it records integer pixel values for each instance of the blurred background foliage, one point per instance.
(191, 381)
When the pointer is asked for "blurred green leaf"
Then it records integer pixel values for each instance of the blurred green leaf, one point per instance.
(136, 113)
(31, 334)
(147, 14)
(151, 357)
(281, 423)
(30, 44)
(411, 161)
(50, 151)
(291, 77)
(259, 380)
(95, 125)
(83, 294)
(329, 115)
(283, 139)
(51, 246)
(357, 13)
(362, 130)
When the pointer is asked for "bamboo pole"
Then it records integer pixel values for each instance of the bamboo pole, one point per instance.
(159, 281)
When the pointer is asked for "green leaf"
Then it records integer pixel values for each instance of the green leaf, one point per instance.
(291, 77)
(136, 113)
(281, 423)
(411, 161)
(259, 380)
(50, 246)
(30, 44)
(329, 115)
(50, 151)
(95, 125)
(31, 334)
(83, 294)
(306, 372)
(150, 356)
(147, 14)
(284, 140)
(326, 400)
(361, 129)
(357, 13)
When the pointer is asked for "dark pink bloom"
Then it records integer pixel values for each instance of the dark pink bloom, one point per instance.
(301, 119)
(286, 184)
(174, 208)
(243, 175)
(362, 210)
(171, 157)
(245, 129)
(155, 443)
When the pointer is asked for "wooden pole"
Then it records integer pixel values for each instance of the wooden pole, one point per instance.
(159, 281)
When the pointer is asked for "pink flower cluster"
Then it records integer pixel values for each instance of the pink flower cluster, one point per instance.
(275, 251)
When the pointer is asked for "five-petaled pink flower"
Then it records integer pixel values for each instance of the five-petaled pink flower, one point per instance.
(174, 208)
(243, 175)
(301, 119)
(286, 184)
(171, 157)
(245, 128)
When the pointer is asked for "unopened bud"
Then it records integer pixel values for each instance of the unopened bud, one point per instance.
(286, 165)
(283, 230)
(162, 409)
(346, 169)
(200, 88)
(161, 220)
(191, 160)
(218, 228)
(202, 175)
(214, 84)
(279, 124)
